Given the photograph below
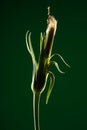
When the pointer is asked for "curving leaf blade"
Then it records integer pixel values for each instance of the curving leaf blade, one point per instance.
(56, 54)
(57, 66)
(29, 46)
(52, 80)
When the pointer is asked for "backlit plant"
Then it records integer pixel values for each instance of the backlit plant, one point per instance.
(41, 68)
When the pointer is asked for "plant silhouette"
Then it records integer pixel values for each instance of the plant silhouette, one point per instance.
(41, 69)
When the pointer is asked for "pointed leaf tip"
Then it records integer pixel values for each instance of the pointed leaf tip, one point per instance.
(56, 54)
(57, 66)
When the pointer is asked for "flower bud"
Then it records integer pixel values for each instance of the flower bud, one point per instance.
(50, 33)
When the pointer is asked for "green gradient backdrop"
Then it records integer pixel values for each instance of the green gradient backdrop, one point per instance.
(67, 108)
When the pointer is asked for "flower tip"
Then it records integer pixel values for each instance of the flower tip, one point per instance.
(52, 24)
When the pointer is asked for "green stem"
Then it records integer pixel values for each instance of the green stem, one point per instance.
(36, 100)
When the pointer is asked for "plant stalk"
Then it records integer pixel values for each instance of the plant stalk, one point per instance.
(36, 101)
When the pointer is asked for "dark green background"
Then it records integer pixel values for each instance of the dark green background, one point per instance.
(67, 108)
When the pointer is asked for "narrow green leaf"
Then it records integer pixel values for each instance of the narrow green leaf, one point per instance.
(57, 66)
(41, 41)
(27, 42)
(29, 46)
(56, 54)
(52, 80)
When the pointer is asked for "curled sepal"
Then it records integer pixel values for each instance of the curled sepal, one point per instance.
(29, 46)
(56, 54)
(52, 80)
(57, 66)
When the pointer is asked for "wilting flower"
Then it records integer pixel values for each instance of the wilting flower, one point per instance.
(50, 33)
(41, 69)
